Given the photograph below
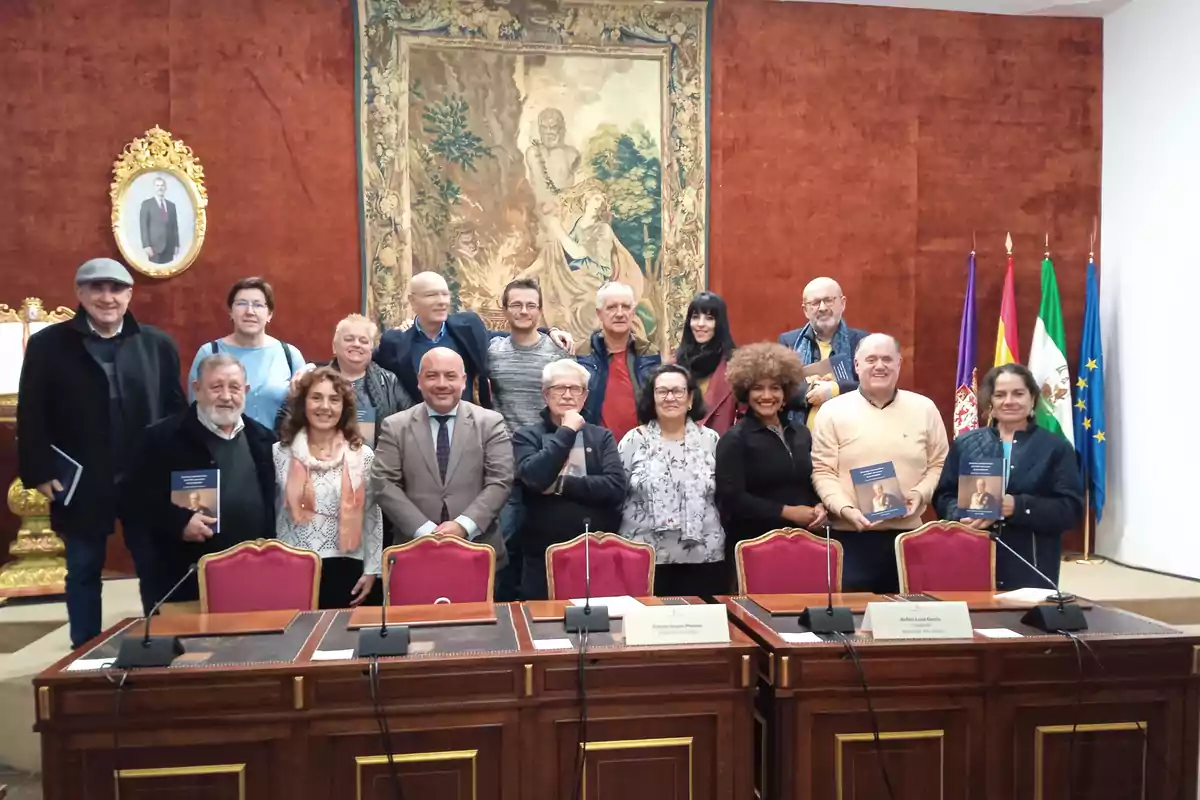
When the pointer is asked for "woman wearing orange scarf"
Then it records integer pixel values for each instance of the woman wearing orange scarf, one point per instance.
(321, 467)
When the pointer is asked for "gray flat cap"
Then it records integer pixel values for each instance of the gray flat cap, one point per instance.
(103, 269)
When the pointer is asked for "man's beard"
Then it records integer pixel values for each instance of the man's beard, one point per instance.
(223, 417)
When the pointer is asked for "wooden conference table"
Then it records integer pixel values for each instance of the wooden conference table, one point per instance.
(270, 706)
(983, 719)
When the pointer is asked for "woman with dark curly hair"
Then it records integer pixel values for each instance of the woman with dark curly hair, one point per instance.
(669, 503)
(326, 504)
(704, 351)
(764, 465)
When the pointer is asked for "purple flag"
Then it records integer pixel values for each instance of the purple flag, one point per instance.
(966, 405)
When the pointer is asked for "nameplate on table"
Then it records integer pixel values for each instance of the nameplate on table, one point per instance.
(659, 625)
(945, 620)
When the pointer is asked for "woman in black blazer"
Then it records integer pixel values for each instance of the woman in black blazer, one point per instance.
(1043, 494)
(764, 465)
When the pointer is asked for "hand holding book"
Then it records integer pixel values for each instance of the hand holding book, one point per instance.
(199, 528)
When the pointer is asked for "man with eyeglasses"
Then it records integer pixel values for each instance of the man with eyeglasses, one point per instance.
(619, 362)
(570, 471)
(826, 337)
(515, 363)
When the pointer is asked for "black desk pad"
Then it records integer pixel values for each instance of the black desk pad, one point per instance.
(427, 641)
(225, 651)
(1102, 622)
(614, 637)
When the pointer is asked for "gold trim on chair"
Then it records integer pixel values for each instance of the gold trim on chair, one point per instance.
(785, 533)
(258, 545)
(437, 540)
(902, 569)
(598, 537)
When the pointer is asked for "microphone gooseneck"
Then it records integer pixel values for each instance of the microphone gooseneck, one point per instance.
(587, 565)
(828, 572)
(191, 570)
(387, 594)
(1058, 596)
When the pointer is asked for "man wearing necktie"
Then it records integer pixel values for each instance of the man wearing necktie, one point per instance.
(159, 223)
(444, 466)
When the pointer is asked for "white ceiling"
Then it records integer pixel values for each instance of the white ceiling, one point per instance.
(1048, 8)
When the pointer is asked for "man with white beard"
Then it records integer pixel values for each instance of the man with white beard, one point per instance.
(213, 433)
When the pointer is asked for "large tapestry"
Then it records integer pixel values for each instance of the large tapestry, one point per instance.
(562, 140)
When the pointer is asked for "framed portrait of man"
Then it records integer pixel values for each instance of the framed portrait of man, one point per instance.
(158, 204)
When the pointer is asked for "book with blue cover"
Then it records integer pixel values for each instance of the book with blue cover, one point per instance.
(980, 488)
(67, 471)
(198, 490)
(838, 368)
(878, 492)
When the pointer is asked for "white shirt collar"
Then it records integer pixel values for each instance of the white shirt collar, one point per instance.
(215, 428)
(451, 413)
(92, 328)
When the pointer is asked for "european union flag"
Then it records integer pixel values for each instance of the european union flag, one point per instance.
(1091, 434)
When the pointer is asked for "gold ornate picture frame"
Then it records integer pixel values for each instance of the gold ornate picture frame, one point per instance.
(563, 140)
(16, 326)
(159, 204)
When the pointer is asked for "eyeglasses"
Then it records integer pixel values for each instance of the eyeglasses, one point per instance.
(673, 392)
(560, 390)
(244, 304)
(514, 307)
(827, 301)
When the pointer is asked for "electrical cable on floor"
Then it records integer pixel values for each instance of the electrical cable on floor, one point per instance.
(581, 752)
(862, 677)
(116, 736)
(385, 731)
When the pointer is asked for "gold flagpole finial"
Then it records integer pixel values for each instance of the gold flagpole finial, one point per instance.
(972, 242)
(1092, 239)
(1047, 245)
(1008, 243)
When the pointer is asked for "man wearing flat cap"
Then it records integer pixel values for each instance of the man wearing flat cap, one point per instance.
(88, 388)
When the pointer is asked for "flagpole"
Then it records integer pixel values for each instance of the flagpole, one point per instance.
(1088, 559)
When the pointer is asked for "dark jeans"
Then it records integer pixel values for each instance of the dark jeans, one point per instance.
(533, 576)
(870, 561)
(338, 576)
(85, 563)
(690, 580)
(146, 565)
(508, 577)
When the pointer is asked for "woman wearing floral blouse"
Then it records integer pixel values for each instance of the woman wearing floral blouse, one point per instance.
(670, 462)
(326, 505)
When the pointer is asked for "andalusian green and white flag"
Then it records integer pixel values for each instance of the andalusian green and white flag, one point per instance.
(1048, 361)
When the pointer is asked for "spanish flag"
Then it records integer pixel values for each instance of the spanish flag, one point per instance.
(1006, 333)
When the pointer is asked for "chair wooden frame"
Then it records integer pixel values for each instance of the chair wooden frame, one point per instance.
(597, 538)
(437, 539)
(902, 568)
(259, 545)
(787, 533)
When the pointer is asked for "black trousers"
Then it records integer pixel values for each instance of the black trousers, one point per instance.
(690, 580)
(869, 561)
(338, 576)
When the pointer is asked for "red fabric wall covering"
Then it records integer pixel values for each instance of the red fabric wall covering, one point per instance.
(862, 143)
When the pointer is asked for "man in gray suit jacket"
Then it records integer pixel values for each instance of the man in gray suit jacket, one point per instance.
(444, 465)
(158, 220)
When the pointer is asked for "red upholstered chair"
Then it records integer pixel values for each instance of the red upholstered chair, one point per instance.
(438, 567)
(619, 567)
(787, 561)
(946, 556)
(263, 575)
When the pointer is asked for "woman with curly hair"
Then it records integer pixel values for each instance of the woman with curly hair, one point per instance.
(704, 351)
(764, 465)
(326, 504)
(669, 499)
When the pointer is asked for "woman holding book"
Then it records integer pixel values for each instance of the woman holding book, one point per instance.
(669, 502)
(764, 465)
(1043, 494)
(705, 351)
(326, 505)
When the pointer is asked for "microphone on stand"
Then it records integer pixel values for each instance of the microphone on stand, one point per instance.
(587, 617)
(1064, 615)
(382, 641)
(153, 651)
(830, 619)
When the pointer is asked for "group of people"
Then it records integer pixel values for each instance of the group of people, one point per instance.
(516, 439)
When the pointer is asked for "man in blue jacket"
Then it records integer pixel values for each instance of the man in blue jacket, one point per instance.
(619, 362)
(826, 336)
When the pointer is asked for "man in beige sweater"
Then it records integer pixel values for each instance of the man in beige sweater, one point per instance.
(875, 424)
